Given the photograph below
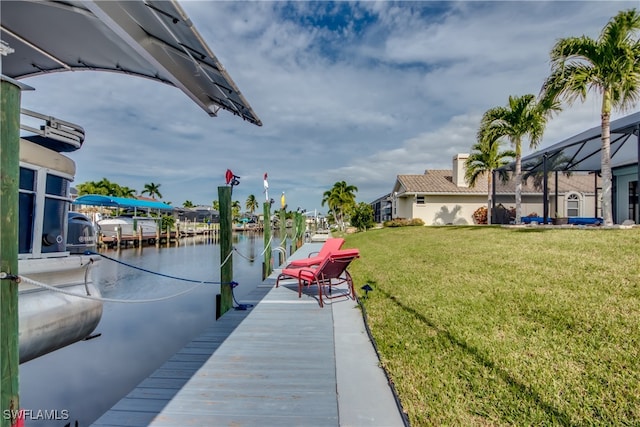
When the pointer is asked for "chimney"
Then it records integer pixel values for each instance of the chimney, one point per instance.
(459, 169)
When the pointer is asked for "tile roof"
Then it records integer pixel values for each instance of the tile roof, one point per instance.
(441, 182)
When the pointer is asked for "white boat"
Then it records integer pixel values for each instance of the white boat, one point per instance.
(129, 226)
(52, 244)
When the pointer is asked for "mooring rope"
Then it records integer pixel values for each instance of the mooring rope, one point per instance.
(267, 246)
(118, 300)
(160, 274)
(103, 299)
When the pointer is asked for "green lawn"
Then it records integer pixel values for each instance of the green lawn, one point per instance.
(506, 326)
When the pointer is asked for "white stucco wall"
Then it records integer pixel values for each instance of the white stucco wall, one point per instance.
(459, 209)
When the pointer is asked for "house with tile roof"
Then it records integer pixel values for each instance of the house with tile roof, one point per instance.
(441, 197)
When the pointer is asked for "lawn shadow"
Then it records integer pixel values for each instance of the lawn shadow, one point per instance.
(531, 230)
(520, 389)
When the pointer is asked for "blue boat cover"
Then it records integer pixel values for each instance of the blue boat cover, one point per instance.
(121, 202)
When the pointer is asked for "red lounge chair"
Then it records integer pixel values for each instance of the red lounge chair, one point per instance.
(331, 272)
(330, 245)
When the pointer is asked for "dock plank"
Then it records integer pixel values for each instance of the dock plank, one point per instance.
(271, 365)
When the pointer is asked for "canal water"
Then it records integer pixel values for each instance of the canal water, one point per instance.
(82, 381)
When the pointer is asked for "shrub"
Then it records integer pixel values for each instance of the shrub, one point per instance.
(480, 215)
(403, 222)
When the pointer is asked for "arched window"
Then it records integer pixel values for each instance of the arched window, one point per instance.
(574, 205)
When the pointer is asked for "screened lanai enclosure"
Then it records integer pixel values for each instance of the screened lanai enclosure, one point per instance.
(562, 170)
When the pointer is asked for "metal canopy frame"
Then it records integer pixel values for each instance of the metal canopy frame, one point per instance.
(582, 153)
(151, 38)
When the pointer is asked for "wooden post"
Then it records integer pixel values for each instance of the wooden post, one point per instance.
(266, 226)
(9, 187)
(118, 237)
(226, 268)
(299, 229)
(140, 237)
(283, 229)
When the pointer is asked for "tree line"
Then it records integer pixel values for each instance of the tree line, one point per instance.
(104, 187)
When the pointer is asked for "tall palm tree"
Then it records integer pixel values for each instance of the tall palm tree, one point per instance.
(152, 190)
(523, 117)
(252, 204)
(486, 157)
(332, 199)
(609, 66)
(340, 199)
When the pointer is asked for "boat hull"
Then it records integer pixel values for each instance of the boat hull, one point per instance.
(109, 227)
(50, 320)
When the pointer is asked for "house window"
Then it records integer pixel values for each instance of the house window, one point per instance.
(573, 205)
(420, 200)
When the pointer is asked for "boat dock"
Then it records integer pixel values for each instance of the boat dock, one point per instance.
(283, 362)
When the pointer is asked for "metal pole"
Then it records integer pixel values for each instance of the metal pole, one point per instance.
(595, 192)
(226, 260)
(557, 194)
(493, 195)
(9, 188)
(637, 218)
(545, 190)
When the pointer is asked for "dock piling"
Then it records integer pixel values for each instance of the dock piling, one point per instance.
(266, 226)
(226, 260)
(9, 188)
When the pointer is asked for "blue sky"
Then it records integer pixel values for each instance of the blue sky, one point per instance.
(359, 92)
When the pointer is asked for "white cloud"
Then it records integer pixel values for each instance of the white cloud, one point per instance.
(387, 89)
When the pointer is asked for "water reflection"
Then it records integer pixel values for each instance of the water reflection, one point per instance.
(89, 377)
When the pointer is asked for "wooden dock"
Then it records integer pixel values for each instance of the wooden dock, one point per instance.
(274, 364)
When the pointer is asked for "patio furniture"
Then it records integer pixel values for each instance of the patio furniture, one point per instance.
(331, 272)
(330, 245)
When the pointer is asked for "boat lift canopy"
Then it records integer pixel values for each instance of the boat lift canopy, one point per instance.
(120, 202)
(150, 38)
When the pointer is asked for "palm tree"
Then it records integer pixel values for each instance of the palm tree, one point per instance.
(215, 205)
(609, 66)
(340, 199)
(522, 117)
(251, 204)
(104, 187)
(126, 192)
(485, 158)
(187, 204)
(235, 210)
(152, 190)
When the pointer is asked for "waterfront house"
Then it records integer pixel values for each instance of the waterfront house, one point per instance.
(440, 197)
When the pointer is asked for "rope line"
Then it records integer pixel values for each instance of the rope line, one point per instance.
(162, 274)
(267, 246)
(103, 299)
(226, 259)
